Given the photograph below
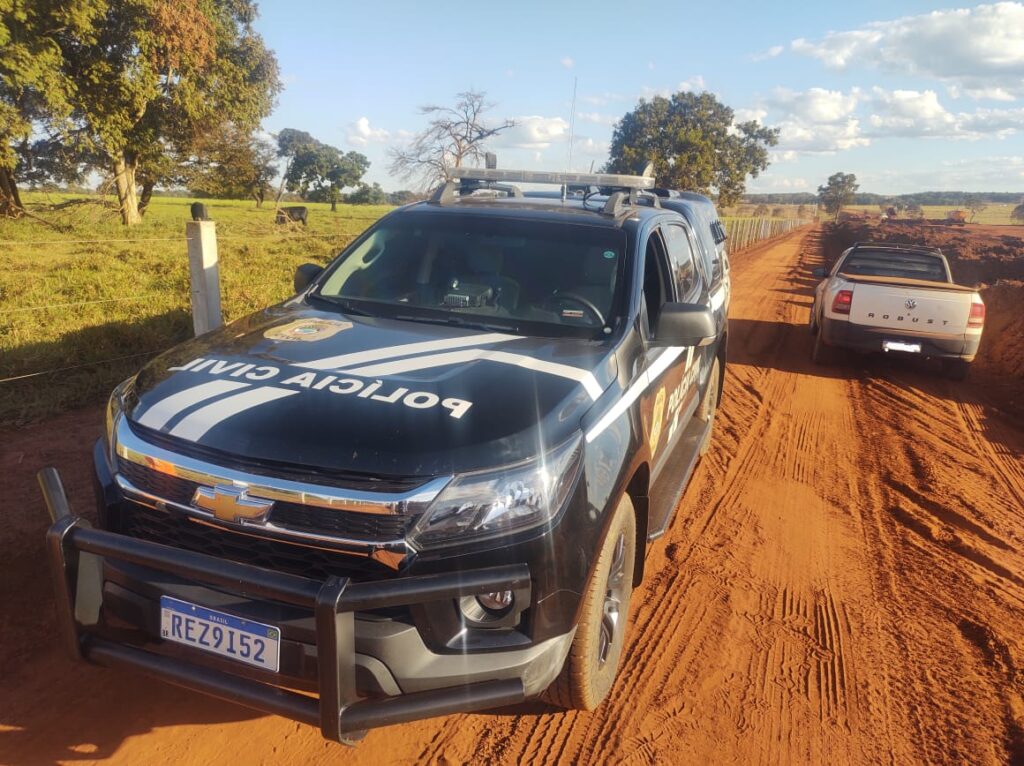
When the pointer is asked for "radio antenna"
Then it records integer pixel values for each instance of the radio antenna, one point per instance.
(572, 121)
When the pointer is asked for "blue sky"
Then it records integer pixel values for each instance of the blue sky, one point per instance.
(908, 95)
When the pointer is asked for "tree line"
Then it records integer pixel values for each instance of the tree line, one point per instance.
(170, 94)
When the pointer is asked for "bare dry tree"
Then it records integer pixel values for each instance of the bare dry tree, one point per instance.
(453, 136)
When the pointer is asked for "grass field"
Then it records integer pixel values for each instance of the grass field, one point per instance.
(68, 301)
(88, 304)
(996, 213)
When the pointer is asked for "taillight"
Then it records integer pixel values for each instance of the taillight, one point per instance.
(842, 302)
(977, 317)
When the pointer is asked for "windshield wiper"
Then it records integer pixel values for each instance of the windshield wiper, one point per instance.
(456, 321)
(345, 304)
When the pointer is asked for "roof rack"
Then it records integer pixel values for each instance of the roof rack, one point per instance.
(623, 190)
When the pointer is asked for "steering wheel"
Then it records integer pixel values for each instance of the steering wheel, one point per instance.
(581, 301)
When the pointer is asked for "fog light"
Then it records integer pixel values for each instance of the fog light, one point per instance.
(496, 602)
(487, 609)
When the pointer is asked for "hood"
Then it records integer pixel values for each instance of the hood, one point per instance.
(321, 391)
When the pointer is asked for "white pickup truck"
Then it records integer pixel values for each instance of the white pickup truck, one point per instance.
(898, 299)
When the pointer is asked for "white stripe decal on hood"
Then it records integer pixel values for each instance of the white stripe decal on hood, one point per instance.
(158, 415)
(196, 424)
(584, 377)
(406, 349)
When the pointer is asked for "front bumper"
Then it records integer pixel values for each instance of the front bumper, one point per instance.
(79, 554)
(847, 334)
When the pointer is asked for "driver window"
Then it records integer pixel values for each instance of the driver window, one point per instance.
(655, 282)
(681, 256)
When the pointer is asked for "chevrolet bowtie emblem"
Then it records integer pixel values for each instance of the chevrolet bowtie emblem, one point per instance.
(231, 504)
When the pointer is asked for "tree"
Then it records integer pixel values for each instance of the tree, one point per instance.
(231, 164)
(837, 192)
(35, 88)
(914, 210)
(1017, 214)
(694, 144)
(453, 136)
(149, 76)
(761, 211)
(367, 195)
(318, 171)
(975, 206)
(403, 197)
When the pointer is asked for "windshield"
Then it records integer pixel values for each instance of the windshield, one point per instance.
(549, 278)
(890, 264)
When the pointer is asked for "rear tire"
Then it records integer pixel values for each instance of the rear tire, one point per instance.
(593, 661)
(821, 353)
(956, 369)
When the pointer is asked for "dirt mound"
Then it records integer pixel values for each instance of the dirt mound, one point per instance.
(990, 257)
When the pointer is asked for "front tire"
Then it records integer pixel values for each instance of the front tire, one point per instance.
(709, 405)
(593, 661)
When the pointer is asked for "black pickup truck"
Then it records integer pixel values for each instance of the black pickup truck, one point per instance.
(426, 483)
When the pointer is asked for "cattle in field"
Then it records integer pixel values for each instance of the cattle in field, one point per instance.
(296, 213)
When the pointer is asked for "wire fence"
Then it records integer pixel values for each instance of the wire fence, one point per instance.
(79, 313)
(747, 232)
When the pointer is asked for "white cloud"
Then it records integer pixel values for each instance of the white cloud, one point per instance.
(602, 99)
(978, 52)
(816, 104)
(771, 53)
(360, 133)
(567, 62)
(813, 121)
(692, 83)
(910, 113)
(598, 118)
(534, 132)
(591, 147)
(914, 114)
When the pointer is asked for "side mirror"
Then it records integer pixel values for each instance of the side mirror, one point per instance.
(305, 274)
(685, 324)
(819, 272)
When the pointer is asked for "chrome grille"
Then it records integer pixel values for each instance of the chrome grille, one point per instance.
(371, 527)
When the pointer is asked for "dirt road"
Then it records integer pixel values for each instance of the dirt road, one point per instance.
(844, 582)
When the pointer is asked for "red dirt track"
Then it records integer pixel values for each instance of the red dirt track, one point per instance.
(843, 582)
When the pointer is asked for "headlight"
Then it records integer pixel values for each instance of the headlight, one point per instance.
(115, 409)
(497, 502)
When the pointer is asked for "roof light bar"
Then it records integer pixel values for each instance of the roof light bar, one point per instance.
(546, 177)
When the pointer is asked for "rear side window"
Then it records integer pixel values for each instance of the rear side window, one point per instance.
(681, 256)
(892, 264)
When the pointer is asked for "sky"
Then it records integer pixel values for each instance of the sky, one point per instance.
(909, 96)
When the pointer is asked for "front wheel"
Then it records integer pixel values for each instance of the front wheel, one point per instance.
(593, 660)
(709, 405)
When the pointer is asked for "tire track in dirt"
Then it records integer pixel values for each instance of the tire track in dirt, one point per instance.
(842, 583)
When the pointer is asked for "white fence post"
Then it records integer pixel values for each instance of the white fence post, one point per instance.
(204, 275)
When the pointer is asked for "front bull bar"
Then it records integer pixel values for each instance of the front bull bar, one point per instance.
(76, 551)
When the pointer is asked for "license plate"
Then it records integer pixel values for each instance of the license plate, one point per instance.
(895, 345)
(218, 633)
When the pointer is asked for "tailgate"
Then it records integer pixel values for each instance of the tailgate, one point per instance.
(905, 307)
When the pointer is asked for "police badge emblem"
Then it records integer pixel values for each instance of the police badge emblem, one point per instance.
(307, 329)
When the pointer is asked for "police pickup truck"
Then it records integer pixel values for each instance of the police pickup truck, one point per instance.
(426, 483)
(900, 300)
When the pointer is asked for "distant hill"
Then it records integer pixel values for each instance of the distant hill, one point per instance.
(953, 198)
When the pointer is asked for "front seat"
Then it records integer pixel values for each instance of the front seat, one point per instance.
(598, 278)
(485, 268)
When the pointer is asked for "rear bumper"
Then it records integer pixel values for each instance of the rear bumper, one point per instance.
(81, 559)
(846, 334)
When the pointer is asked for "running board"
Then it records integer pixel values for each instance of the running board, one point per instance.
(675, 475)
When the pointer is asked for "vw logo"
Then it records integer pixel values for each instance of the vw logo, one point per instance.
(911, 303)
